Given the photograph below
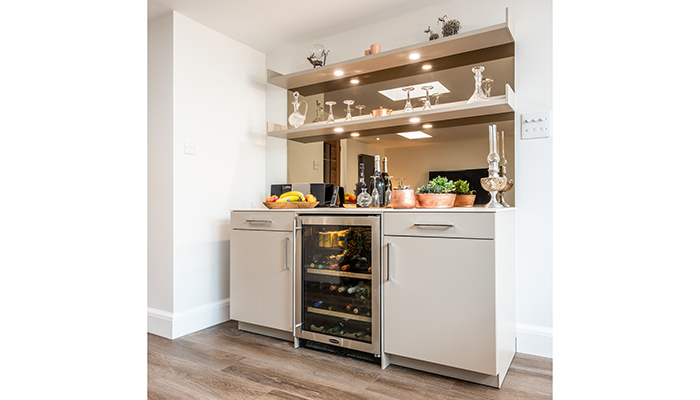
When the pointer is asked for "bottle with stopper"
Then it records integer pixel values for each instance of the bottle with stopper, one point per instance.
(494, 183)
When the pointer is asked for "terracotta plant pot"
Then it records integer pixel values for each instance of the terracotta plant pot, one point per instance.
(435, 200)
(465, 200)
(403, 198)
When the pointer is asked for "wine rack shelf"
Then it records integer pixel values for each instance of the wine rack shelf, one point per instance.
(339, 314)
(339, 273)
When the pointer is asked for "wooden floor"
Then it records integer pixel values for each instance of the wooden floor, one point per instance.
(223, 363)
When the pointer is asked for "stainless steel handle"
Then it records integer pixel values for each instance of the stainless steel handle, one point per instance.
(388, 276)
(258, 221)
(435, 225)
(286, 253)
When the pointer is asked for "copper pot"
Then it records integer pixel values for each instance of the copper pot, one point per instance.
(465, 200)
(403, 198)
(435, 200)
(380, 112)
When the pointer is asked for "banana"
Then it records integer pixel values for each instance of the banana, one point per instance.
(292, 193)
(287, 199)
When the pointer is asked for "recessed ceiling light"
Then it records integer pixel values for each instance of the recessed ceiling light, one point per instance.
(355, 134)
(338, 129)
(427, 126)
(414, 119)
(414, 56)
(338, 73)
(354, 80)
(397, 94)
(427, 66)
(414, 135)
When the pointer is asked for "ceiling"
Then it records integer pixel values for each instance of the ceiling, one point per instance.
(273, 24)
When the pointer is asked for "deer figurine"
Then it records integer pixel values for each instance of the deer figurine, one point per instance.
(432, 34)
(318, 62)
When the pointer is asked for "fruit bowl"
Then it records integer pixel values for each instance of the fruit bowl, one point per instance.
(291, 204)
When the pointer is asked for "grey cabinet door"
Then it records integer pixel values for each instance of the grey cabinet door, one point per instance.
(439, 301)
(261, 278)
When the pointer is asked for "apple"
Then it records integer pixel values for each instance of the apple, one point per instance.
(271, 199)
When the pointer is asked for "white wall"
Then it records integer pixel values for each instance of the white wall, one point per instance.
(218, 103)
(532, 29)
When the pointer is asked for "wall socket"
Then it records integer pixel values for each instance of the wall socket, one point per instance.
(536, 125)
(190, 148)
(317, 164)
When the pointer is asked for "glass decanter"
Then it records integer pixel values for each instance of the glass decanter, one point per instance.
(330, 105)
(478, 92)
(296, 119)
(409, 106)
(364, 199)
(348, 116)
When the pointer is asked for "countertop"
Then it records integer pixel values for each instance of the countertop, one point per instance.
(369, 210)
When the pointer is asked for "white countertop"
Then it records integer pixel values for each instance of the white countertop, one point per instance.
(370, 210)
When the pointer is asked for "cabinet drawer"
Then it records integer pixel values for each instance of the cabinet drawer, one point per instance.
(263, 220)
(442, 224)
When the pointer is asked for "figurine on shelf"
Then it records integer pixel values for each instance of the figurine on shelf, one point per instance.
(450, 27)
(432, 34)
(318, 55)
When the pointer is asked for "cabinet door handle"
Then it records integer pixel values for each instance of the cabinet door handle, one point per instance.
(258, 221)
(286, 253)
(388, 276)
(435, 225)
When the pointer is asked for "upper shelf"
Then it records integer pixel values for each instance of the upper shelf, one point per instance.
(489, 43)
(440, 116)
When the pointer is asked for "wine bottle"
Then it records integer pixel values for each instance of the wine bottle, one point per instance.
(342, 289)
(361, 180)
(318, 304)
(354, 288)
(349, 308)
(377, 181)
(385, 175)
(332, 287)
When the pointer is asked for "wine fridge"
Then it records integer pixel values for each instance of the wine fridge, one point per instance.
(337, 281)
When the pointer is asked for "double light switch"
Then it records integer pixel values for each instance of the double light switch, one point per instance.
(536, 125)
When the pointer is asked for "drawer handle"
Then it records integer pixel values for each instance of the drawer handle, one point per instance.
(259, 221)
(434, 225)
(286, 253)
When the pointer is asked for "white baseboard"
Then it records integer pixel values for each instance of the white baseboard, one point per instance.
(173, 325)
(534, 340)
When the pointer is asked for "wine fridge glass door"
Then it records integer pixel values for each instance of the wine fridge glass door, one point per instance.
(338, 281)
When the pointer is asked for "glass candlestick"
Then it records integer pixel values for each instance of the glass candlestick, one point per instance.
(437, 97)
(348, 116)
(478, 92)
(408, 107)
(360, 107)
(427, 89)
(330, 105)
(319, 112)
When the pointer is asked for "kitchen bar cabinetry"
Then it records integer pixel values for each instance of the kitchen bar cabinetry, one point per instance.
(442, 288)
(261, 292)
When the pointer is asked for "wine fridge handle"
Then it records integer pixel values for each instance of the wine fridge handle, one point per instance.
(286, 253)
(258, 221)
(388, 275)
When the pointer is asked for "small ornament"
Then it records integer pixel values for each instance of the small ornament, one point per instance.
(432, 34)
(450, 27)
(318, 55)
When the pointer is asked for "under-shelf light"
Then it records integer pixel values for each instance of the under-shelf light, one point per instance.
(338, 73)
(427, 66)
(414, 119)
(355, 134)
(414, 56)
(354, 80)
(338, 129)
(427, 126)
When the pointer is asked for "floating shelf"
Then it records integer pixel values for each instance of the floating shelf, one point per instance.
(476, 46)
(339, 273)
(339, 314)
(440, 116)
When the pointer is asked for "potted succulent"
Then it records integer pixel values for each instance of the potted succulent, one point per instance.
(438, 193)
(465, 197)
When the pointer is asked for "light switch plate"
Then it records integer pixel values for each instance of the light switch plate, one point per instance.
(536, 125)
(317, 165)
(190, 148)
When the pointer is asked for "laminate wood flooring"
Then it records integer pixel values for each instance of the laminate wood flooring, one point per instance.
(222, 362)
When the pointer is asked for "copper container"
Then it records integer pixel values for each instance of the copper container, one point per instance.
(380, 112)
(404, 198)
(435, 200)
(465, 200)
(375, 48)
